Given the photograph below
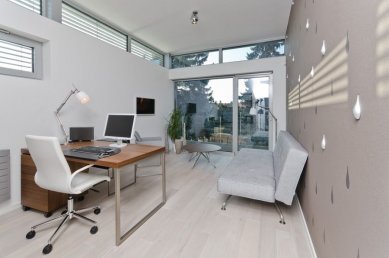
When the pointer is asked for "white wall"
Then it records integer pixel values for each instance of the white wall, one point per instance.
(111, 77)
(276, 65)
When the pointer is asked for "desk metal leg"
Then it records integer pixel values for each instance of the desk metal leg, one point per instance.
(116, 172)
(119, 237)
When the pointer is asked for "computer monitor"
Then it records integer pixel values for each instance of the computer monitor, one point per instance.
(119, 127)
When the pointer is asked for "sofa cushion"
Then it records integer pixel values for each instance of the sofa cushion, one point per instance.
(249, 174)
(289, 158)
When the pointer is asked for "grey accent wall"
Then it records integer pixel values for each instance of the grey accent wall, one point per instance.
(344, 191)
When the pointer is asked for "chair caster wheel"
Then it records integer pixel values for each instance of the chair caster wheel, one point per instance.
(47, 249)
(97, 211)
(282, 222)
(30, 234)
(94, 230)
(64, 212)
(48, 214)
(25, 208)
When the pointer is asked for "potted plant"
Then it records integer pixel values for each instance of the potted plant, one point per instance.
(174, 129)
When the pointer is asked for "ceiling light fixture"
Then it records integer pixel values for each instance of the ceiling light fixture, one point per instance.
(194, 18)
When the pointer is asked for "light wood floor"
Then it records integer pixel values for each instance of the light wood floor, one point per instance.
(190, 224)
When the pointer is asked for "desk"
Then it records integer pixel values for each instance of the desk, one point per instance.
(130, 154)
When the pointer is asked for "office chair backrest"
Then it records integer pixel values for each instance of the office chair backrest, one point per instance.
(53, 172)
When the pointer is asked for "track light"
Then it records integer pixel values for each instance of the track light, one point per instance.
(194, 18)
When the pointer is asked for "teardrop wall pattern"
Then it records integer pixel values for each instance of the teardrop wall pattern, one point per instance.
(332, 195)
(332, 88)
(345, 75)
(357, 109)
(323, 142)
(323, 48)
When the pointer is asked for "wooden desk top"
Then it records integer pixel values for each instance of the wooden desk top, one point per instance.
(129, 154)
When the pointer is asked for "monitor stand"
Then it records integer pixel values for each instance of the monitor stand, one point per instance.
(118, 144)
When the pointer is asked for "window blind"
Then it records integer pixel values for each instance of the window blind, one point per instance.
(145, 52)
(33, 5)
(89, 25)
(16, 56)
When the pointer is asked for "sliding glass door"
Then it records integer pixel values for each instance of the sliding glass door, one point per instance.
(230, 112)
(206, 106)
(253, 114)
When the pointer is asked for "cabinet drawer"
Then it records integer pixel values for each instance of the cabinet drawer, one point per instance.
(4, 171)
(4, 185)
(4, 159)
(4, 165)
(4, 178)
(4, 194)
(4, 153)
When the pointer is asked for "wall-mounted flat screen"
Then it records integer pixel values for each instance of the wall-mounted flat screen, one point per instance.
(145, 106)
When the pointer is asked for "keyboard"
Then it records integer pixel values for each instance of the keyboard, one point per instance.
(91, 152)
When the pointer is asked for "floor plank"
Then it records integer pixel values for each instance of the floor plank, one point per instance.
(190, 225)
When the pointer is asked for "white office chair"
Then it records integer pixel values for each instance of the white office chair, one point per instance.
(53, 173)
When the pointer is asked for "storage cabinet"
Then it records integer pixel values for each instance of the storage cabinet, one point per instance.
(32, 196)
(5, 189)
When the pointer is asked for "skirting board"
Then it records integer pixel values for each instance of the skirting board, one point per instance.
(312, 247)
(9, 208)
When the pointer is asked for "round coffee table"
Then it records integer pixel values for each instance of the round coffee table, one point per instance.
(201, 149)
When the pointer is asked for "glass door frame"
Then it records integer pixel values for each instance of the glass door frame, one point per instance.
(235, 110)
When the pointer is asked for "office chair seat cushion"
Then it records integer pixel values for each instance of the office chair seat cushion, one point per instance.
(82, 182)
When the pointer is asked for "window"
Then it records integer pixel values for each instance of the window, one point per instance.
(255, 51)
(145, 52)
(33, 5)
(88, 25)
(240, 53)
(20, 56)
(195, 59)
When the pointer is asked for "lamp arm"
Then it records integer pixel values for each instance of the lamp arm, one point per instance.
(59, 109)
(62, 127)
(66, 99)
(274, 117)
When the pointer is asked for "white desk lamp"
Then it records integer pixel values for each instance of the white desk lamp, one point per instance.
(81, 96)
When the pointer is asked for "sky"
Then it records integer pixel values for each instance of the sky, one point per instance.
(222, 88)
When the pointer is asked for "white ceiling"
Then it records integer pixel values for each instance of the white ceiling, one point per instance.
(165, 24)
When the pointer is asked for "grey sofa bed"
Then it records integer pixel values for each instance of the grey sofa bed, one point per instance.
(265, 175)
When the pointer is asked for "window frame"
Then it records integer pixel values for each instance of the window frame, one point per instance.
(194, 53)
(37, 56)
(140, 42)
(251, 45)
(20, 3)
(96, 19)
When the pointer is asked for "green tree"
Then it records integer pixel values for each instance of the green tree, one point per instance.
(189, 60)
(266, 49)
